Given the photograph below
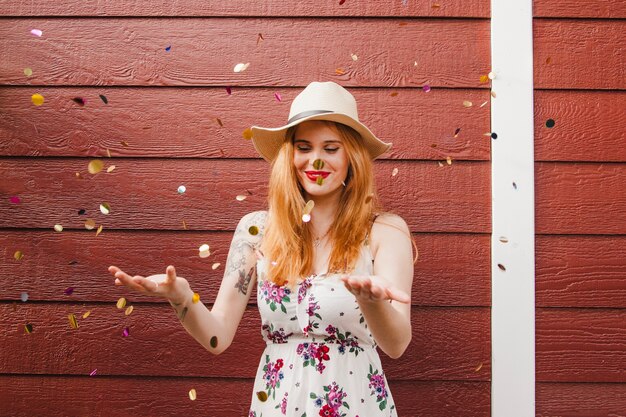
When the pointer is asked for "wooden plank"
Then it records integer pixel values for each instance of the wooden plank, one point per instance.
(580, 399)
(204, 51)
(579, 54)
(580, 8)
(161, 8)
(448, 343)
(581, 345)
(580, 271)
(168, 122)
(81, 260)
(120, 396)
(588, 126)
(580, 198)
(142, 193)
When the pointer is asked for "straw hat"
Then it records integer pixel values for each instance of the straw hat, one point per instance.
(318, 101)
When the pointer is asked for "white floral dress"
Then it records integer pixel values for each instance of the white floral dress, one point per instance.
(320, 358)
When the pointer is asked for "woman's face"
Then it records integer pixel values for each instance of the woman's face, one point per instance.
(315, 141)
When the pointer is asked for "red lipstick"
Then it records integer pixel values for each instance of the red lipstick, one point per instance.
(312, 175)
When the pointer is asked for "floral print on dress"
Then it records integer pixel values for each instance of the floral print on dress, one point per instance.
(377, 384)
(331, 402)
(312, 312)
(273, 375)
(275, 294)
(344, 340)
(275, 336)
(283, 404)
(314, 354)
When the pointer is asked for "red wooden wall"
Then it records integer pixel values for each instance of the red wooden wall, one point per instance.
(580, 192)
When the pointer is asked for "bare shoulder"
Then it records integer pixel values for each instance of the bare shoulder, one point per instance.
(389, 230)
(252, 224)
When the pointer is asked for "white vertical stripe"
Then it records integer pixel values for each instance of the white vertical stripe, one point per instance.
(512, 161)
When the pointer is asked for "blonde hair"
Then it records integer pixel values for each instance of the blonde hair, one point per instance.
(288, 241)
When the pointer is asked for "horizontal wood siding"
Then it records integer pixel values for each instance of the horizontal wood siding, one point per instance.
(580, 208)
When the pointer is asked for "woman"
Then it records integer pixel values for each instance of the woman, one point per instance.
(333, 278)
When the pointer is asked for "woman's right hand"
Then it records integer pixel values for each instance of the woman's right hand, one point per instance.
(168, 285)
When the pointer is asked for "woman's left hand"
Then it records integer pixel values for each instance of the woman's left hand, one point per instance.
(373, 288)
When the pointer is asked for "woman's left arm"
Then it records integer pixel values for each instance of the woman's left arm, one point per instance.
(385, 297)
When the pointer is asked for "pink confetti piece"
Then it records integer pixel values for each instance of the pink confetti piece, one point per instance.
(79, 100)
(426, 88)
(229, 90)
(125, 333)
(93, 372)
(15, 199)
(68, 291)
(36, 32)
(278, 97)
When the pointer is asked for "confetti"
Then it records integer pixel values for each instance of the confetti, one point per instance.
(484, 78)
(548, 60)
(253, 230)
(467, 103)
(37, 99)
(104, 99)
(204, 251)
(247, 134)
(439, 163)
(99, 230)
(491, 75)
(28, 72)
(14, 199)
(484, 103)
(121, 303)
(111, 168)
(501, 267)
(36, 32)
(124, 143)
(426, 88)
(126, 332)
(306, 212)
(319, 180)
(168, 48)
(494, 135)
(478, 368)
(95, 166)
(259, 38)
(79, 100)
(457, 131)
(58, 228)
(449, 160)
(92, 373)
(24, 297)
(108, 153)
(129, 310)
(18, 255)
(72, 320)
(105, 208)
(514, 185)
(318, 164)
(28, 328)
(340, 71)
(262, 395)
(192, 394)
(219, 121)
(184, 225)
(394, 172)
(182, 189)
(195, 298)
(504, 239)
(215, 266)
(493, 94)
(394, 94)
(306, 218)
(86, 314)
(354, 57)
(82, 212)
(436, 5)
(278, 97)
(241, 67)
(90, 224)
(550, 123)
(240, 197)
(229, 91)
(368, 199)
(68, 291)
(213, 342)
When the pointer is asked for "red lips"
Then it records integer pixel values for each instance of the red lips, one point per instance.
(312, 175)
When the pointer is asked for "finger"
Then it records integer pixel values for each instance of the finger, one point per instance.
(355, 290)
(398, 295)
(127, 280)
(378, 293)
(146, 284)
(118, 282)
(171, 274)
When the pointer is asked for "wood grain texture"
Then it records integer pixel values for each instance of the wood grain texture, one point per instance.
(142, 193)
(55, 396)
(204, 51)
(580, 8)
(580, 399)
(580, 271)
(582, 54)
(581, 345)
(448, 343)
(161, 8)
(589, 126)
(452, 269)
(175, 122)
(583, 198)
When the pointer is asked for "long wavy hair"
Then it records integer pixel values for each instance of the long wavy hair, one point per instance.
(288, 241)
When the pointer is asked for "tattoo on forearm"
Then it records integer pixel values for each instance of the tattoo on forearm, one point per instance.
(180, 314)
(244, 280)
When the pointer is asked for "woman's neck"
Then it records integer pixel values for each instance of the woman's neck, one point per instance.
(324, 212)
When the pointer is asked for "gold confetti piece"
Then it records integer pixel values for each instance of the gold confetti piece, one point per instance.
(240, 197)
(467, 103)
(340, 71)
(28, 72)
(504, 239)
(394, 172)
(99, 230)
(309, 206)
(121, 303)
(86, 314)
(479, 367)
(105, 208)
(548, 60)
(501, 267)
(111, 168)
(262, 396)
(195, 298)
(394, 94)
(219, 122)
(192, 394)
(493, 94)
(319, 180)
(354, 57)
(37, 99)
(241, 67)
(213, 342)
(90, 224)
(318, 164)
(484, 78)
(484, 103)
(28, 328)
(58, 228)
(184, 225)
(247, 134)
(436, 5)
(449, 160)
(108, 153)
(253, 230)
(215, 266)
(124, 143)
(259, 38)
(128, 311)
(18, 255)
(73, 322)
(368, 199)
(80, 177)
(95, 166)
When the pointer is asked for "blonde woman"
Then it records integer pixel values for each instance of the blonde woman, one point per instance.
(333, 275)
